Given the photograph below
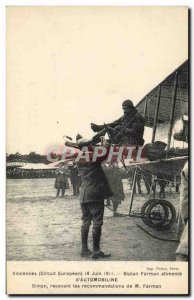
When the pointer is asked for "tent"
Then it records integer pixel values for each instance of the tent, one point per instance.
(38, 166)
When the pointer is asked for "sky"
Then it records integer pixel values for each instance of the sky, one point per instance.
(70, 66)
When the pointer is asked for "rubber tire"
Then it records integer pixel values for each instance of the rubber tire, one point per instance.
(144, 209)
(166, 206)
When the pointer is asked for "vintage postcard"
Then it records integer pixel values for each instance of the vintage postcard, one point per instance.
(97, 150)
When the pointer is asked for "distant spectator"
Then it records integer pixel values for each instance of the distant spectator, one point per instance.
(75, 179)
(177, 183)
(61, 182)
(182, 250)
(114, 177)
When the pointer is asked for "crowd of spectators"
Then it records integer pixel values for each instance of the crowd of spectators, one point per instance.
(17, 173)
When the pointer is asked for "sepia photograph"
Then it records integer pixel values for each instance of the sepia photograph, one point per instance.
(97, 145)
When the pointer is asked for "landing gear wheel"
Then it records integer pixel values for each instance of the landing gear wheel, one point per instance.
(158, 214)
(161, 214)
(144, 214)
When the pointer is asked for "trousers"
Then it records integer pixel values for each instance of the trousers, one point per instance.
(92, 212)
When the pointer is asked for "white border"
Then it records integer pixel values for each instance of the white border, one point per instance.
(3, 4)
(96, 3)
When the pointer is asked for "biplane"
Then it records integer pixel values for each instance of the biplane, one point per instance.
(165, 109)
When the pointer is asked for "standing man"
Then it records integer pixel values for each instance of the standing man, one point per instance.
(94, 189)
(128, 129)
(75, 179)
(61, 182)
(114, 177)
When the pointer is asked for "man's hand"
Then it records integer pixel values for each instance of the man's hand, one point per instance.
(96, 127)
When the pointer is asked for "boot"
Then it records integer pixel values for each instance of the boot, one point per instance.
(115, 205)
(100, 255)
(97, 137)
(63, 192)
(84, 237)
(115, 214)
(58, 191)
(96, 234)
